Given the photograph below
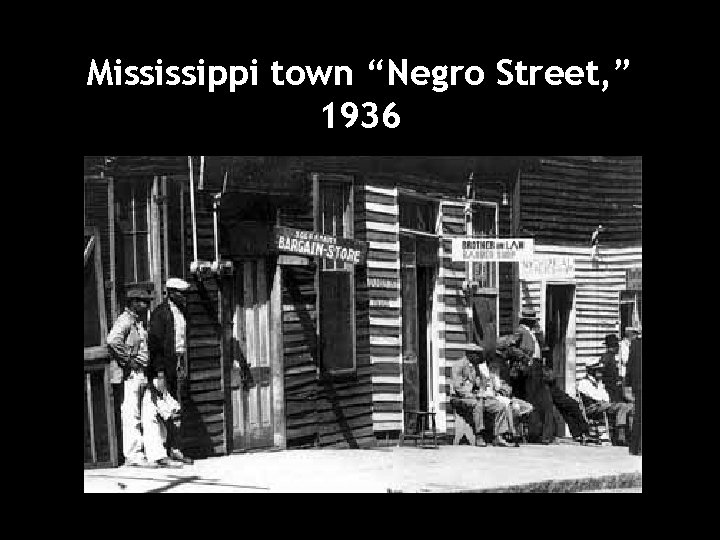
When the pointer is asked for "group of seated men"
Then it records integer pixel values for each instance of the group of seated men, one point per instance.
(477, 390)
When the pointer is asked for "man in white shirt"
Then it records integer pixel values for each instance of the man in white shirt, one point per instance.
(631, 333)
(127, 342)
(597, 401)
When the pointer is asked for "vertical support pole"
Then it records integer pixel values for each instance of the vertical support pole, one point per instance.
(110, 411)
(91, 417)
(111, 241)
(192, 209)
(155, 240)
(517, 293)
(183, 232)
(166, 228)
(276, 352)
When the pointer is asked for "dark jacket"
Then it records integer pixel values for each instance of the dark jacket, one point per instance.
(633, 375)
(161, 342)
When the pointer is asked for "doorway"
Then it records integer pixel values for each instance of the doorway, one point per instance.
(418, 273)
(251, 374)
(560, 338)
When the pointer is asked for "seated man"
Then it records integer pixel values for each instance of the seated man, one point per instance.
(596, 401)
(468, 391)
(516, 407)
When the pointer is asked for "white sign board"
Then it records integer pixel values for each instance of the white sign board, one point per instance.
(549, 267)
(469, 249)
(633, 278)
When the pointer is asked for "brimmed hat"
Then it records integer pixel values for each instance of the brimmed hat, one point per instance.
(528, 313)
(177, 284)
(611, 339)
(593, 367)
(140, 294)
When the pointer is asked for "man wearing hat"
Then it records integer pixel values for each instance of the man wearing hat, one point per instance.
(537, 392)
(167, 343)
(597, 401)
(470, 391)
(127, 342)
(609, 363)
(631, 334)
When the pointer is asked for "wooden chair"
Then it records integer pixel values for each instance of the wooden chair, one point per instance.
(596, 436)
(425, 427)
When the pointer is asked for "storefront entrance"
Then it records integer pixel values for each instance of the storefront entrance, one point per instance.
(252, 367)
(560, 337)
(418, 271)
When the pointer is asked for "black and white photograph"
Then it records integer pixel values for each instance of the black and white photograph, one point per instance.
(363, 324)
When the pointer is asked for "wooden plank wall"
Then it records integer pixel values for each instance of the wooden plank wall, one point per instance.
(565, 198)
(299, 322)
(379, 309)
(205, 409)
(561, 202)
(598, 286)
(96, 215)
(451, 333)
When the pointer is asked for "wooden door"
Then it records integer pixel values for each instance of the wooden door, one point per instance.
(252, 399)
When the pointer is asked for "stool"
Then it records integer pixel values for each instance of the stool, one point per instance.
(423, 421)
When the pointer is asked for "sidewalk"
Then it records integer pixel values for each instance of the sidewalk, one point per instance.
(563, 467)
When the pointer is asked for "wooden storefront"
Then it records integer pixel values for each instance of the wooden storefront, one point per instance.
(289, 351)
(580, 298)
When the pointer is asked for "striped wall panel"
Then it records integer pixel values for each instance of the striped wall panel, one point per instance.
(378, 295)
(597, 291)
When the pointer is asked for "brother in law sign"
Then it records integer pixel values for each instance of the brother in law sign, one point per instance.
(466, 249)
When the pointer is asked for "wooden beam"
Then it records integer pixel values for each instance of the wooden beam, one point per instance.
(155, 240)
(276, 358)
(166, 227)
(111, 242)
(91, 417)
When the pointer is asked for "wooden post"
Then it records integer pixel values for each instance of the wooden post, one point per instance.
(110, 412)
(166, 227)
(111, 242)
(91, 417)
(517, 298)
(277, 363)
(182, 230)
(155, 240)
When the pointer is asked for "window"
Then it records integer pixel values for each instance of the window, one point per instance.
(483, 224)
(334, 217)
(132, 218)
(630, 309)
(417, 214)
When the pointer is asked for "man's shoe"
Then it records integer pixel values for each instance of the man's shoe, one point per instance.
(167, 462)
(144, 464)
(499, 441)
(177, 455)
(479, 441)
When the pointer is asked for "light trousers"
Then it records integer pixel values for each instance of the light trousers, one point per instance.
(154, 430)
(130, 415)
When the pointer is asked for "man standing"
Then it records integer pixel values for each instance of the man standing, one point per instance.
(631, 334)
(610, 364)
(168, 347)
(596, 400)
(634, 380)
(127, 342)
(542, 422)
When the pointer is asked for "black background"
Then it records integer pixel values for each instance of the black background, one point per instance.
(464, 120)
(487, 119)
